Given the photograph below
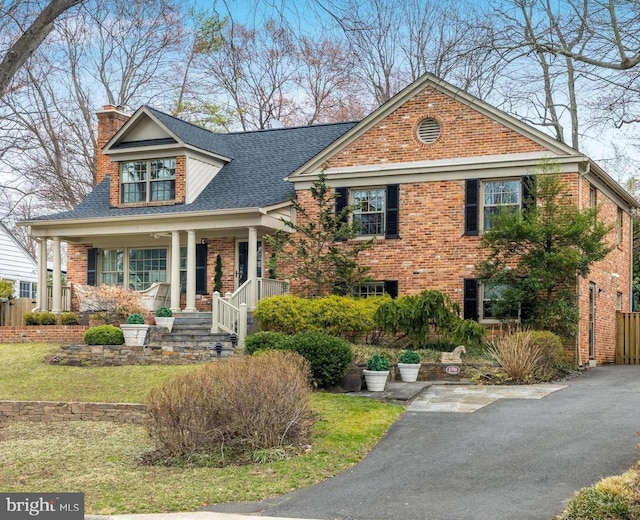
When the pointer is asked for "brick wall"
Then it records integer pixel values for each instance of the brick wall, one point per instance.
(43, 334)
(48, 411)
(110, 120)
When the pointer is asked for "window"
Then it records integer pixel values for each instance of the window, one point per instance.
(146, 267)
(619, 301)
(28, 289)
(491, 293)
(369, 289)
(593, 197)
(369, 212)
(148, 181)
(499, 196)
(113, 266)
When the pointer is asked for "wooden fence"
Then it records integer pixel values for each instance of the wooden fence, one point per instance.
(12, 311)
(628, 338)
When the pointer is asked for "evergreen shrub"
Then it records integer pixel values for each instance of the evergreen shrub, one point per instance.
(104, 335)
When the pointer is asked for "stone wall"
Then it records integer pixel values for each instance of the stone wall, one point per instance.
(43, 334)
(49, 411)
(119, 355)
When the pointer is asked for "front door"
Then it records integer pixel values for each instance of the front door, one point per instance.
(243, 261)
(592, 320)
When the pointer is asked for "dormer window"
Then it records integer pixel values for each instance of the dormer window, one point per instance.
(148, 181)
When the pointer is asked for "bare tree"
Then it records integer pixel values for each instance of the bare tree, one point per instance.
(31, 38)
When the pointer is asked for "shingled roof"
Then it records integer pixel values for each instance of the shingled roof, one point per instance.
(254, 176)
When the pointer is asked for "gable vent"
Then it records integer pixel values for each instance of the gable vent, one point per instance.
(428, 130)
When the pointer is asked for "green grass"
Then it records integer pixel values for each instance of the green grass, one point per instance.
(100, 459)
(24, 376)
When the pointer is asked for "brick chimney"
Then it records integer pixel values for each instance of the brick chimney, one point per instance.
(110, 120)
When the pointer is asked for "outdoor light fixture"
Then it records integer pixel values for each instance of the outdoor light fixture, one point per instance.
(234, 340)
(218, 349)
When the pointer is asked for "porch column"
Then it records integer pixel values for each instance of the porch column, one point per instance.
(42, 303)
(175, 271)
(252, 268)
(56, 301)
(191, 271)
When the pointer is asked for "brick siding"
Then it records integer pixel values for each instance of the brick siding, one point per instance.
(43, 334)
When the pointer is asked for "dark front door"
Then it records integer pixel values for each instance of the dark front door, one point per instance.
(243, 261)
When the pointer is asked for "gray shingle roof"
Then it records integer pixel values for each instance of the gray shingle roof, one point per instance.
(254, 177)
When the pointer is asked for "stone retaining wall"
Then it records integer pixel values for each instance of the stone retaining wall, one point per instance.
(50, 411)
(118, 355)
(43, 334)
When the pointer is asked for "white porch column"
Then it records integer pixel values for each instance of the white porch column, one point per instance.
(191, 271)
(41, 295)
(252, 268)
(175, 271)
(56, 301)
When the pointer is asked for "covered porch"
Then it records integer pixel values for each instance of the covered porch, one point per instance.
(190, 255)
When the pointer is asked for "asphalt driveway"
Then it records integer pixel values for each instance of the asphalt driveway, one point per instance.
(512, 459)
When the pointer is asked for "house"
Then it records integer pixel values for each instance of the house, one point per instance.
(425, 168)
(17, 265)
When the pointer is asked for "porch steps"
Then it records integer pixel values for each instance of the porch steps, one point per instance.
(193, 329)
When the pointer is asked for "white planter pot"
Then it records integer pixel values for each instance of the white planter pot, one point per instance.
(134, 335)
(409, 372)
(166, 322)
(376, 380)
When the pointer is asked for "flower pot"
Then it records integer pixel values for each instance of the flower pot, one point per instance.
(166, 322)
(134, 335)
(409, 372)
(376, 380)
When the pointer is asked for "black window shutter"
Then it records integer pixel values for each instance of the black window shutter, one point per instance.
(471, 206)
(92, 266)
(392, 229)
(391, 288)
(528, 186)
(470, 299)
(342, 200)
(201, 268)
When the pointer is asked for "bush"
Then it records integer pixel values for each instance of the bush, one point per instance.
(7, 289)
(31, 318)
(40, 318)
(69, 318)
(528, 356)
(340, 316)
(378, 362)
(114, 302)
(410, 357)
(249, 403)
(264, 341)
(164, 312)
(104, 335)
(328, 356)
(592, 504)
(135, 319)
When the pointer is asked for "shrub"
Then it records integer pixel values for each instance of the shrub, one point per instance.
(340, 316)
(47, 318)
(265, 340)
(40, 318)
(31, 318)
(69, 318)
(552, 352)
(164, 312)
(378, 362)
(418, 317)
(113, 301)
(135, 319)
(249, 403)
(593, 504)
(328, 356)
(7, 289)
(104, 335)
(410, 357)
(519, 356)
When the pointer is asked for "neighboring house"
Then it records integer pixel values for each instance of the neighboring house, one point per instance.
(17, 265)
(425, 168)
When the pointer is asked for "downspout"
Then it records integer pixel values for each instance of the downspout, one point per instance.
(578, 291)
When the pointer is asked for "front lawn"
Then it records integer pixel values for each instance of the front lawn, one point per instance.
(100, 459)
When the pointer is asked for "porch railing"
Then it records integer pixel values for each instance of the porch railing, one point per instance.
(229, 313)
(66, 297)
